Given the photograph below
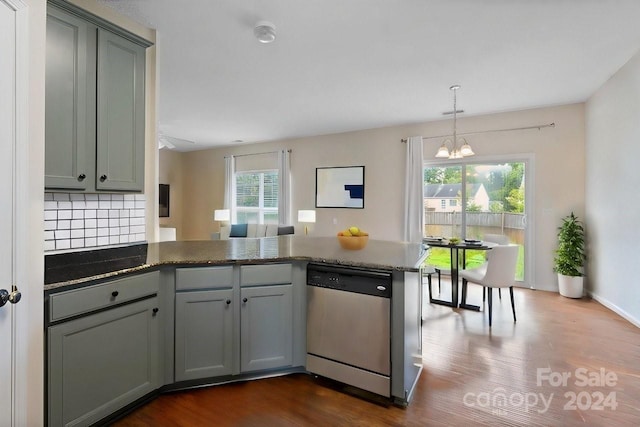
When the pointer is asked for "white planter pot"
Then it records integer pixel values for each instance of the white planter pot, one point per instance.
(570, 286)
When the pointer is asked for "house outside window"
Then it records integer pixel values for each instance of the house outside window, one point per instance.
(453, 202)
(256, 199)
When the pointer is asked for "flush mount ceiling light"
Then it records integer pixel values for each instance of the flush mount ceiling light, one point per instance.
(464, 149)
(265, 32)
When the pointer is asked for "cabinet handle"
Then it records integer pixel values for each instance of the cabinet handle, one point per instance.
(103, 178)
(244, 300)
(114, 294)
(81, 177)
(155, 311)
(228, 301)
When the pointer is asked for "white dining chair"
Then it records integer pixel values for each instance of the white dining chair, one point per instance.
(498, 239)
(500, 272)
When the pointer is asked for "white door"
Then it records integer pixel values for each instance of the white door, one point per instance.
(7, 224)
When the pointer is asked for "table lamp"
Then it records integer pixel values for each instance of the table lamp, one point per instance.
(222, 215)
(307, 216)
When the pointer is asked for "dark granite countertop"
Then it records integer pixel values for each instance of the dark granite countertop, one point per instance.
(116, 261)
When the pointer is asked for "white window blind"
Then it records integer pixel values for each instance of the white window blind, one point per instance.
(257, 197)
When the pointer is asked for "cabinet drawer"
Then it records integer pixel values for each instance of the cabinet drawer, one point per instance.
(204, 278)
(85, 300)
(271, 274)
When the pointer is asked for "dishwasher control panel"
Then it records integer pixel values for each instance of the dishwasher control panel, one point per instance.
(361, 281)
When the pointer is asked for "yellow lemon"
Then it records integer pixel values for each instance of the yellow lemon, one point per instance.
(354, 230)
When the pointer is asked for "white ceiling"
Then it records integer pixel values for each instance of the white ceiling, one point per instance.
(342, 65)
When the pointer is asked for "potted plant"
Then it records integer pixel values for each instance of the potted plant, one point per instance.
(570, 257)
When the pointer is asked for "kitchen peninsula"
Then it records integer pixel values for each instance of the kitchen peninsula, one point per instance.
(189, 313)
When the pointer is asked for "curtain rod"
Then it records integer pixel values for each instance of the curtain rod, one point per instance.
(539, 127)
(256, 154)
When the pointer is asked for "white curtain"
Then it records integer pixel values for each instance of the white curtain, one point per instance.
(284, 187)
(413, 192)
(230, 186)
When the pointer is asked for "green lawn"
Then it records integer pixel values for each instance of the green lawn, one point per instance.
(440, 257)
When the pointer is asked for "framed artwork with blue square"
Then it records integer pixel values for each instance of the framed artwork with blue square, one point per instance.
(340, 187)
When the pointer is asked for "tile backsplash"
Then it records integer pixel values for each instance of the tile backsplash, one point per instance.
(75, 221)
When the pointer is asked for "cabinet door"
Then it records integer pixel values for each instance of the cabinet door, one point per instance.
(120, 113)
(70, 102)
(204, 334)
(102, 362)
(266, 327)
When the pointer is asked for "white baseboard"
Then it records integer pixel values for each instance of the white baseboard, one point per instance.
(611, 306)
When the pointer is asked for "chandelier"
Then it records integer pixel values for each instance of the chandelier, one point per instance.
(459, 147)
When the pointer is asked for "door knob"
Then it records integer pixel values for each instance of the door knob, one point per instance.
(13, 297)
(4, 297)
(103, 178)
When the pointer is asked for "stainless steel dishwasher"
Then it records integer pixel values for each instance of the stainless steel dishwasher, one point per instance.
(349, 326)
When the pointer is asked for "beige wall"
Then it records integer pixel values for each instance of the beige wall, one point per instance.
(557, 153)
(170, 172)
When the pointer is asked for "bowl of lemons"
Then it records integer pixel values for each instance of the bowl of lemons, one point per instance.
(353, 238)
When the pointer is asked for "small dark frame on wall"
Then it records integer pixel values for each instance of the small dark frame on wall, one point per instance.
(340, 187)
(163, 200)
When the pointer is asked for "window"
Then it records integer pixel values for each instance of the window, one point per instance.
(495, 202)
(443, 204)
(257, 197)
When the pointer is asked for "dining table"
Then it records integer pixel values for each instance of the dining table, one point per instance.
(455, 250)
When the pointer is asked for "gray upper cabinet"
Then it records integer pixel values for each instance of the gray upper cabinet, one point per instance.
(120, 148)
(95, 117)
(70, 102)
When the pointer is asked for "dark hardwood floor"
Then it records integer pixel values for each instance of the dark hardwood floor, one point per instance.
(472, 376)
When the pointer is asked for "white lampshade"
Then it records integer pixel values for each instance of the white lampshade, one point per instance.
(466, 150)
(222, 215)
(443, 152)
(307, 216)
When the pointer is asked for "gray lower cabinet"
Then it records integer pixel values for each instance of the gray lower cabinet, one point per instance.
(204, 322)
(204, 334)
(225, 325)
(102, 362)
(95, 116)
(266, 327)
